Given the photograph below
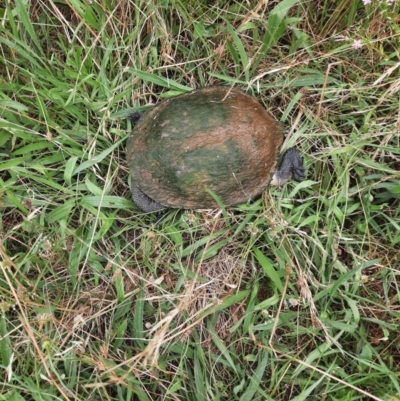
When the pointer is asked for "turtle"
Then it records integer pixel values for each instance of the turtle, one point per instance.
(214, 140)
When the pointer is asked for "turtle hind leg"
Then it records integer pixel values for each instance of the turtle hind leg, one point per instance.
(291, 167)
(144, 202)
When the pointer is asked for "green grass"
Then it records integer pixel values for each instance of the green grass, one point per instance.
(294, 296)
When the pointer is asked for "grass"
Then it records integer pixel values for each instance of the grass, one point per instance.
(294, 296)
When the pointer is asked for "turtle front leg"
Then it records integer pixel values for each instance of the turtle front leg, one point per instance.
(144, 202)
(291, 167)
(135, 116)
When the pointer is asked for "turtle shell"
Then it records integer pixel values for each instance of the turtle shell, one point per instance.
(215, 138)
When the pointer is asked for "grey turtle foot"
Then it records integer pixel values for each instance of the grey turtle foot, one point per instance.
(135, 117)
(145, 203)
(291, 167)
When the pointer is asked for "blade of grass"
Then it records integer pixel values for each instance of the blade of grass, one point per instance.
(26, 22)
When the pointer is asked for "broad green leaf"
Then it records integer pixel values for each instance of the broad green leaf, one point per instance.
(34, 148)
(69, 169)
(96, 159)
(256, 377)
(268, 268)
(120, 334)
(93, 188)
(60, 212)
(233, 299)
(377, 166)
(11, 104)
(138, 322)
(26, 22)
(9, 164)
(242, 52)
(225, 354)
(113, 202)
(198, 370)
(159, 80)
(211, 250)
(18, 47)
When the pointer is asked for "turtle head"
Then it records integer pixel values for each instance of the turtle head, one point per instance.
(291, 167)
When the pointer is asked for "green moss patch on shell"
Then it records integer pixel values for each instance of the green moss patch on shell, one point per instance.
(217, 138)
